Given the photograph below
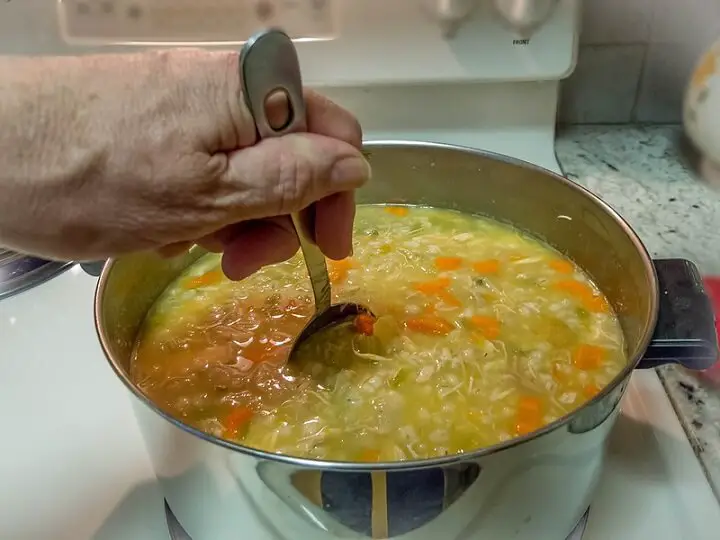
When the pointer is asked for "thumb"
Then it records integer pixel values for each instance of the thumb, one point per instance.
(285, 174)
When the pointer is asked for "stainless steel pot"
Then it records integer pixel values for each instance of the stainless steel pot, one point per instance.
(531, 488)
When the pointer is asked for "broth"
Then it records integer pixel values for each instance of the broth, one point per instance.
(482, 334)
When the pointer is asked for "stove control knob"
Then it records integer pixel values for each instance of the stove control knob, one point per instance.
(524, 16)
(450, 14)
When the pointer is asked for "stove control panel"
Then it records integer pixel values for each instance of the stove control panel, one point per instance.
(193, 21)
(346, 43)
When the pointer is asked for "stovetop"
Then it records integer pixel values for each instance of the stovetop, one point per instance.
(178, 533)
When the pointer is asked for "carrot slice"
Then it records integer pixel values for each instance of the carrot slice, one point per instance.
(431, 325)
(489, 266)
(591, 301)
(588, 357)
(369, 456)
(438, 288)
(337, 275)
(529, 415)
(338, 271)
(530, 405)
(208, 278)
(590, 391)
(364, 324)
(346, 263)
(562, 267)
(237, 420)
(445, 264)
(596, 304)
(449, 298)
(489, 327)
(399, 211)
(432, 287)
(575, 288)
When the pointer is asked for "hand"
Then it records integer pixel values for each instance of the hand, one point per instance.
(157, 151)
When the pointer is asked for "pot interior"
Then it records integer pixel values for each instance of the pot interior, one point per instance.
(545, 205)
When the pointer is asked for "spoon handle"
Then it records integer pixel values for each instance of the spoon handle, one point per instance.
(269, 65)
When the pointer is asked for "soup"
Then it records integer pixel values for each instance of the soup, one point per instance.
(481, 334)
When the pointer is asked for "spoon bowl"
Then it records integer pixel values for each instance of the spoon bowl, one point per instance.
(335, 315)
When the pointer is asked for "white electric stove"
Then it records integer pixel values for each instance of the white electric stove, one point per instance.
(73, 465)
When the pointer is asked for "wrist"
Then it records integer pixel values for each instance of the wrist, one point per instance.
(42, 158)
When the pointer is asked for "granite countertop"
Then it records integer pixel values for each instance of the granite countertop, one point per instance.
(648, 175)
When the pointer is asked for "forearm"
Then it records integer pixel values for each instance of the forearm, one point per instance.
(80, 134)
(46, 151)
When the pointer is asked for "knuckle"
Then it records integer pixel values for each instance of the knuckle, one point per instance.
(296, 178)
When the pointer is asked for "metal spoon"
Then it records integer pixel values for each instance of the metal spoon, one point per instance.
(268, 65)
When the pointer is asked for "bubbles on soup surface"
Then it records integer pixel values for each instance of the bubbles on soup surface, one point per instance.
(482, 334)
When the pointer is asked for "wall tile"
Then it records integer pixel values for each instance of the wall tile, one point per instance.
(616, 21)
(685, 21)
(681, 32)
(604, 85)
(667, 70)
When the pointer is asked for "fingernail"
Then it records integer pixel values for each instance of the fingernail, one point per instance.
(354, 171)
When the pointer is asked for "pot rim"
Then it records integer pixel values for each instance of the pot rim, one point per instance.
(352, 466)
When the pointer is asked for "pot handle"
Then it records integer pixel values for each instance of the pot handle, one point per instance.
(93, 268)
(685, 332)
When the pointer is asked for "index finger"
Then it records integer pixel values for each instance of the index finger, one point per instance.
(325, 117)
